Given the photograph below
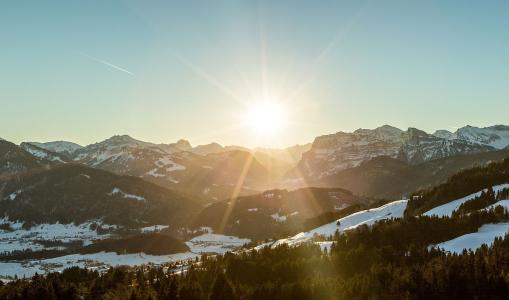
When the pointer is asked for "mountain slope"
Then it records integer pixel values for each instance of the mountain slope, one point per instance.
(333, 153)
(495, 136)
(421, 147)
(393, 178)
(15, 161)
(210, 177)
(275, 212)
(366, 217)
(75, 193)
(43, 153)
(461, 184)
(61, 147)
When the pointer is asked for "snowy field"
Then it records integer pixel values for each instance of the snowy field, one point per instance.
(485, 235)
(97, 261)
(448, 208)
(215, 243)
(391, 210)
(22, 239)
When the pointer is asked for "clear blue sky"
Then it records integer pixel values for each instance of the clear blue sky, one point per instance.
(159, 71)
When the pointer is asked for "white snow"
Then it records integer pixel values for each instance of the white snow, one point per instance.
(37, 153)
(101, 261)
(12, 196)
(503, 203)
(325, 245)
(448, 208)
(154, 228)
(154, 173)
(205, 243)
(21, 239)
(42, 154)
(390, 210)
(58, 146)
(278, 217)
(126, 195)
(252, 209)
(485, 235)
(492, 136)
(216, 243)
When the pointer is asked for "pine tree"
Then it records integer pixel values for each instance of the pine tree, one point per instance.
(222, 289)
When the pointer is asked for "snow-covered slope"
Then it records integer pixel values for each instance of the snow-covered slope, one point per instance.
(42, 153)
(391, 210)
(420, 147)
(61, 147)
(485, 235)
(496, 136)
(126, 155)
(502, 203)
(444, 134)
(448, 208)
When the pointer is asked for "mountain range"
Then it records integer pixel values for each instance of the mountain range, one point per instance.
(213, 172)
(333, 153)
(124, 195)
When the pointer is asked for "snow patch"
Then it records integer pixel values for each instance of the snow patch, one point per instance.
(154, 228)
(485, 235)
(448, 208)
(116, 191)
(215, 243)
(366, 217)
(154, 173)
(278, 217)
(12, 196)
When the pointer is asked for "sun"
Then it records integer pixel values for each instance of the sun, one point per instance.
(266, 118)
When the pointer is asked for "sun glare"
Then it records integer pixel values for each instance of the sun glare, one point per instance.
(266, 118)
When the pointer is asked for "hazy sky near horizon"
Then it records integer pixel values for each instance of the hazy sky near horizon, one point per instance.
(163, 70)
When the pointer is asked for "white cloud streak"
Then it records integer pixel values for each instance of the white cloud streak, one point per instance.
(106, 63)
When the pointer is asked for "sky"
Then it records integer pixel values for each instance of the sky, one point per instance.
(163, 70)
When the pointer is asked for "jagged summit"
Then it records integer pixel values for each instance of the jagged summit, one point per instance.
(332, 153)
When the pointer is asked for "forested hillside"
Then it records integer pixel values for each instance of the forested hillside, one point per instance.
(391, 259)
(461, 184)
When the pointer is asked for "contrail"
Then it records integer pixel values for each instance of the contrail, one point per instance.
(107, 63)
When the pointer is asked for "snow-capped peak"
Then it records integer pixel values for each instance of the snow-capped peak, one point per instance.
(332, 153)
(123, 140)
(496, 136)
(444, 134)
